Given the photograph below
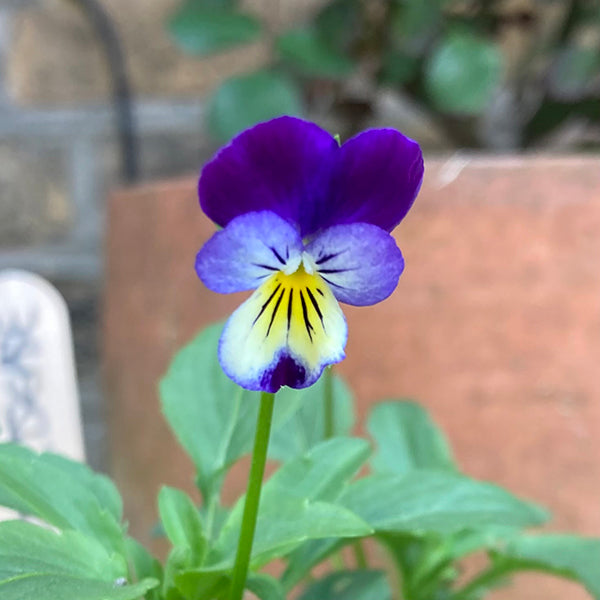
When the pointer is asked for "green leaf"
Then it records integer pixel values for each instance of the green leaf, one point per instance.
(420, 503)
(39, 563)
(407, 440)
(489, 537)
(321, 473)
(265, 587)
(340, 24)
(145, 566)
(571, 76)
(423, 502)
(552, 114)
(564, 555)
(398, 68)
(413, 25)
(62, 493)
(308, 52)
(182, 523)
(58, 587)
(303, 428)
(203, 30)
(292, 507)
(213, 518)
(213, 418)
(435, 502)
(178, 561)
(203, 583)
(358, 585)
(25, 547)
(304, 558)
(286, 523)
(463, 73)
(102, 487)
(243, 101)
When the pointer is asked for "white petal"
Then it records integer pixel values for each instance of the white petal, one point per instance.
(284, 334)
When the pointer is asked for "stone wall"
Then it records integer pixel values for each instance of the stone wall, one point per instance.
(55, 59)
(54, 65)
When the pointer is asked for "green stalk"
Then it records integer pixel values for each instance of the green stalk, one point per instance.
(257, 470)
(360, 555)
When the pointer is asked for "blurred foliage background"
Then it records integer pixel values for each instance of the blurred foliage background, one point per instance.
(492, 74)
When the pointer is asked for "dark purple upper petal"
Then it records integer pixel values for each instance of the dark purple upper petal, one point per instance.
(377, 177)
(283, 165)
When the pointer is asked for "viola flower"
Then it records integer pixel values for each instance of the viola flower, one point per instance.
(306, 224)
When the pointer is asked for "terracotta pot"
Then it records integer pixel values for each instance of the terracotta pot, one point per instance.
(495, 327)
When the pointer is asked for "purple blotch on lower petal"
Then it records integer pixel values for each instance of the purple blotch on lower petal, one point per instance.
(286, 372)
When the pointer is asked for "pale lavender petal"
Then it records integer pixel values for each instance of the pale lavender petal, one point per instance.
(360, 262)
(251, 248)
(284, 165)
(377, 177)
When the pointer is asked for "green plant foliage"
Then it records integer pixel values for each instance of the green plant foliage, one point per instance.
(212, 417)
(468, 541)
(285, 522)
(323, 472)
(298, 502)
(203, 583)
(182, 523)
(265, 587)
(564, 555)
(407, 439)
(343, 585)
(45, 565)
(61, 493)
(414, 24)
(306, 51)
(398, 68)
(463, 73)
(415, 503)
(305, 427)
(339, 24)
(552, 114)
(144, 566)
(436, 502)
(204, 28)
(423, 502)
(242, 101)
(573, 72)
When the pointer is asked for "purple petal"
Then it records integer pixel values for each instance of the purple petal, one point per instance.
(283, 165)
(377, 178)
(360, 262)
(286, 372)
(251, 248)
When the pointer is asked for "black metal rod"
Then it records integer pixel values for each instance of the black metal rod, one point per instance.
(121, 89)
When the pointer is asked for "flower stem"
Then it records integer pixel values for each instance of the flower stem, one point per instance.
(257, 470)
(360, 555)
(328, 407)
